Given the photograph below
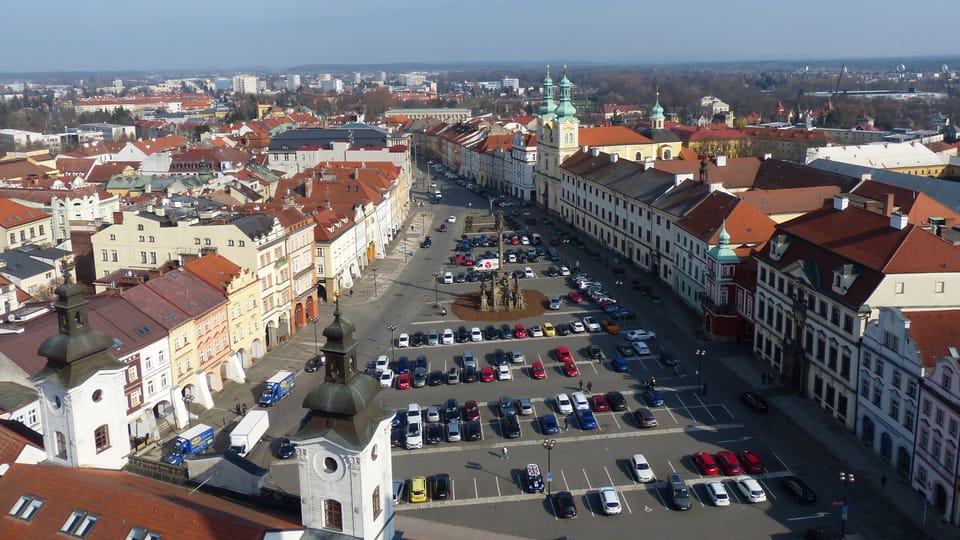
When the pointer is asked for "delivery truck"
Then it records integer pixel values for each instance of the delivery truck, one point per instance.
(276, 388)
(191, 442)
(248, 432)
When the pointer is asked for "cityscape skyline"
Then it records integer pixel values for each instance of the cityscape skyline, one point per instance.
(112, 35)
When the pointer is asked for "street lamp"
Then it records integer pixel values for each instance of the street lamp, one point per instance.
(316, 344)
(846, 479)
(374, 269)
(436, 291)
(700, 354)
(619, 284)
(393, 342)
(548, 444)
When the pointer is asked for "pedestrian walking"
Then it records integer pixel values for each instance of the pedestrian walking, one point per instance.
(505, 453)
(704, 392)
(566, 423)
(243, 410)
(589, 387)
(883, 482)
(351, 291)
(237, 408)
(770, 377)
(581, 385)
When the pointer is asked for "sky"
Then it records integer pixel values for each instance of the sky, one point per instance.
(224, 35)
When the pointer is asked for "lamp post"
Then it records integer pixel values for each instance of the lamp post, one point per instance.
(436, 290)
(847, 479)
(700, 354)
(316, 344)
(393, 342)
(548, 444)
(374, 269)
(619, 284)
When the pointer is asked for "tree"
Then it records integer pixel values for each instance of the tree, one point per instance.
(375, 102)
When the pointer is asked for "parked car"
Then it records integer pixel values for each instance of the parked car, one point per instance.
(453, 375)
(418, 489)
(639, 334)
(386, 378)
(403, 340)
(440, 487)
(591, 324)
(751, 462)
(679, 492)
(717, 493)
(473, 431)
(564, 504)
(510, 426)
(471, 411)
(751, 489)
(599, 403)
(287, 449)
(616, 401)
(653, 398)
(641, 468)
(537, 371)
(641, 348)
(798, 489)
(564, 405)
(645, 417)
(625, 349)
(705, 464)
(487, 374)
(620, 365)
(549, 330)
(550, 424)
(533, 478)
(563, 354)
(555, 302)
(587, 420)
(570, 369)
(610, 501)
(728, 463)
(755, 401)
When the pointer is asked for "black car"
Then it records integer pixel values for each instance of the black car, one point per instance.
(553, 271)
(533, 478)
(595, 352)
(439, 487)
(463, 335)
(506, 332)
(397, 437)
(470, 375)
(800, 491)
(434, 433)
(668, 358)
(427, 242)
(461, 278)
(755, 401)
(435, 378)
(500, 358)
(472, 431)
(565, 505)
(511, 426)
(287, 449)
(491, 333)
(451, 410)
(315, 363)
(563, 329)
(473, 276)
(616, 401)
(417, 339)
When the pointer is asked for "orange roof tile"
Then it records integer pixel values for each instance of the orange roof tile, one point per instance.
(934, 332)
(610, 136)
(14, 214)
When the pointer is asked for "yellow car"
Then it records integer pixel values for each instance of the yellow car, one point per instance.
(418, 489)
(611, 326)
(548, 329)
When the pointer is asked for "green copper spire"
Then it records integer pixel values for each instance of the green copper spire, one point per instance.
(547, 105)
(656, 112)
(565, 109)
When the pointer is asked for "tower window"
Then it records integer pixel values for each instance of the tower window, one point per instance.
(97, 395)
(332, 515)
(78, 317)
(61, 444)
(101, 437)
(377, 507)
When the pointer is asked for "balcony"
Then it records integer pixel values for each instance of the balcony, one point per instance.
(718, 309)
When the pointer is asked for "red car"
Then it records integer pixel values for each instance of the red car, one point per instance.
(519, 332)
(403, 381)
(443, 227)
(575, 297)
(599, 403)
(486, 374)
(570, 369)
(751, 462)
(537, 370)
(728, 463)
(515, 241)
(555, 241)
(472, 411)
(705, 463)
(563, 354)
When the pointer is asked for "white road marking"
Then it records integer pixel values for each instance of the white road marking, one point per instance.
(689, 414)
(565, 484)
(704, 405)
(497, 480)
(782, 464)
(735, 492)
(671, 415)
(672, 468)
(476, 492)
(766, 488)
(615, 421)
(694, 491)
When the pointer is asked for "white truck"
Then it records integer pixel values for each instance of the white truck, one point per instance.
(248, 432)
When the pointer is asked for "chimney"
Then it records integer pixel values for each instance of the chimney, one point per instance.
(595, 152)
(308, 187)
(721, 161)
(614, 157)
(840, 203)
(888, 204)
(648, 163)
(898, 221)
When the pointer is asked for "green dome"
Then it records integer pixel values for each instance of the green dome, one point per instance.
(656, 112)
(565, 109)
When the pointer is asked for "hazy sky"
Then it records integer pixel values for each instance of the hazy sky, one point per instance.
(67, 35)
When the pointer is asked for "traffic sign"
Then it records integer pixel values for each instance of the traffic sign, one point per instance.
(549, 477)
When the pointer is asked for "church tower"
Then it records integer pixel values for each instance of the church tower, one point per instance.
(83, 407)
(656, 114)
(343, 448)
(557, 138)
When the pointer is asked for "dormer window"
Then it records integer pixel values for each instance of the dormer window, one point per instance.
(843, 278)
(778, 245)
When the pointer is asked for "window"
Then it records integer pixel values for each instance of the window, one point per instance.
(938, 287)
(142, 239)
(101, 437)
(898, 287)
(865, 387)
(79, 524)
(113, 237)
(946, 379)
(912, 389)
(866, 361)
(953, 426)
(896, 379)
(132, 374)
(26, 507)
(877, 396)
(377, 506)
(938, 418)
(878, 368)
(61, 445)
(909, 419)
(332, 515)
(835, 315)
(848, 324)
(140, 533)
(895, 408)
(113, 255)
(922, 475)
(924, 438)
(103, 255)
(948, 456)
(926, 407)
(845, 365)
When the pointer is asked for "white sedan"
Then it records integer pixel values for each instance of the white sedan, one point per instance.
(751, 489)
(639, 334)
(452, 219)
(536, 331)
(564, 405)
(577, 327)
(403, 340)
(718, 493)
(504, 373)
(386, 378)
(641, 348)
(591, 324)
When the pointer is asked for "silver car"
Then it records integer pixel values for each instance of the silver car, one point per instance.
(555, 301)
(453, 431)
(433, 338)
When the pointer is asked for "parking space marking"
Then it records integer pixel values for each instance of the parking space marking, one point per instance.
(766, 488)
(587, 478)
(497, 480)
(689, 414)
(671, 415)
(565, 484)
(476, 492)
(615, 421)
(735, 491)
(519, 480)
(694, 491)
(672, 468)
(705, 407)
(782, 464)
(625, 503)
(732, 417)
(453, 490)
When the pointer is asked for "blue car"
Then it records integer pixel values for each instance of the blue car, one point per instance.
(620, 365)
(586, 419)
(403, 365)
(611, 309)
(399, 419)
(653, 398)
(422, 362)
(550, 425)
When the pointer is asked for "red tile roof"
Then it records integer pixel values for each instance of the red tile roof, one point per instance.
(934, 332)
(610, 136)
(214, 269)
(14, 214)
(14, 436)
(123, 501)
(917, 206)
(789, 200)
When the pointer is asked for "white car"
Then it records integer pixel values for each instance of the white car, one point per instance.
(504, 373)
(577, 327)
(718, 493)
(751, 489)
(447, 337)
(452, 219)
(414, 436)
(433, 338)
(591, 324)
(447, 278)
(516, 357)
(414, 413)
(383, 364)
(386, 378)
(433, 414)
(476, 334)
(610, 501)
(403, 340)
(641, 348)
(536, 331)
(564, 405)
(564, 271)
(580, 402)
(528, 273)
(639, 334)
(641, 468)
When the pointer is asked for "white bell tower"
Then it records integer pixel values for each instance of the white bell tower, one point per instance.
(343, 448)
(83, 407)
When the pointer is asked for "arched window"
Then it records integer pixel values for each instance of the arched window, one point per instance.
(667, 153)
(332, 515)
(377, 506)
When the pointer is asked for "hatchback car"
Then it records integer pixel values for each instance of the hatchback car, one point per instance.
(386, 378)
(616, 401)
(641, 468)
(535, 331)
(537, 371)
(798, 489)
(587, 420)
(549, 330)
(510, 426)
(491, 333)
(506, 331)
(645, 418)
(473, 431)
(418, 489)
(570, 369)
(580, 402)
(453, 431)
(287, 449)
(653, 398)
(755, 401)
(575, 297)
(599, 403)
(705, 464)
(620, 365)
(533, 478)
(550, 424)
(516, 356)
(728, 463)
(610, 326)
(505, 405)
(563, 354)
(591, 324)
(555, 302)
(433, 434)
(519, 332)
(403, 340)
(419, 377)
(471, 411)
(641, 348)
(751, 489)
(718, 494)
(447, 337)
(453, 375)
(471, 375)
(565, 505)
(610, 501)
(487, 374)
(525, 405)
(476, 334)
(564, 404)
(751, 462)
(440, 487)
